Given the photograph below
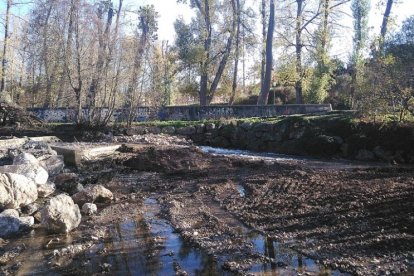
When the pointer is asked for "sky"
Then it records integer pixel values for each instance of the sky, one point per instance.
(169, 10)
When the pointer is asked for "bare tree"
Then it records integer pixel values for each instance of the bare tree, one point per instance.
(103, 42)
(237, 52)
(264, 93)
(5, 49)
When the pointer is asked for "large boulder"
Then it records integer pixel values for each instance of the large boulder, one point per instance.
(186, 131)
(16, 191)
(34, 172)
(68, 183)
(53, 164)
(89, 209)
(97, 193)
(11, 224)
(26, 164)
(25, 158)
(61, 215)
(10, 213)
(35, 148)
(45, 190)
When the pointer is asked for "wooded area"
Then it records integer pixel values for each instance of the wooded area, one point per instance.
(95, 54)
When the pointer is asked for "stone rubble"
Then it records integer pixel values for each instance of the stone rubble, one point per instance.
(60, 215)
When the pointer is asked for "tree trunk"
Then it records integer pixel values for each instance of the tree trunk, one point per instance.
(385, 19)
(237, 53)
(298, 50)
(136, 68)
(46, 58)
(5, 45)
(102, 56)
(264, 33)
(73, 29)
(325, 30)
(225, 57)
(264, 93)
(207, 45)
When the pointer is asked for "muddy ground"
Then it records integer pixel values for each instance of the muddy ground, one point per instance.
(178, 210)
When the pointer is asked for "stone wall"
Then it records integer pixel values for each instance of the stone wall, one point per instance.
(299, 136)
(67, 115)
(188, 113)
(196, 113)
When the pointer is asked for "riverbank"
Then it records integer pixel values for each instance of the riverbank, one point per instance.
(335, 135)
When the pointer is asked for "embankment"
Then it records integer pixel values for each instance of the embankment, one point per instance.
(335, 135)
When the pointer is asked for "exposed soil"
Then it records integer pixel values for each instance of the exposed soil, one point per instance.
(245, 217)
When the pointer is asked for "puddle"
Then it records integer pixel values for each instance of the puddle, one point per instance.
(145, 245)
(148, 245)
(284, 260)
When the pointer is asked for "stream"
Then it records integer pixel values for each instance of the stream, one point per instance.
(271, 158)
(148, 245)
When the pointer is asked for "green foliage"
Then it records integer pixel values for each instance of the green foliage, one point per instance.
(360, 13)
(190, 52)
(389, 79)
(322, 78)
(148, 21)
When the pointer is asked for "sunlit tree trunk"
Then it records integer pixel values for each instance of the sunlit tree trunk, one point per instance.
(298, 52)
(264, 93)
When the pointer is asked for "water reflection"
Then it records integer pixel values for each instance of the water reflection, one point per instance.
(149, 246)
(285, 260)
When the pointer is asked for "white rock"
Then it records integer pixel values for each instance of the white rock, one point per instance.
(10, 213)
(25, 158)
(89, 209)
(96, 193)
(35, 172)
(27, 221)
(16, 191)
(45, 190)
(61, 215)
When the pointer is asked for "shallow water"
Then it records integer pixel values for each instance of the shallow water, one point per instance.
(148, 245)
(285, 260)
(145, 245)
(292, 159)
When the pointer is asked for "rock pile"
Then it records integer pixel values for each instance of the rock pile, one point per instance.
(30, 176)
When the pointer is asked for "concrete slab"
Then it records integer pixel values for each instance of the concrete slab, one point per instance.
(100, 151)
(71, 156)
(74, 153)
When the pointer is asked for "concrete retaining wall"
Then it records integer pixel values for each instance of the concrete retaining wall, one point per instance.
(67, 115)
(196, 113)
(191, 113)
